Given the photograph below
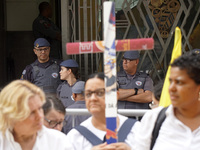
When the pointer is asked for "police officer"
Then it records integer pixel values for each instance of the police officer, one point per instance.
(135, 88)
(69, 73)
(43, 27)
(44, 72)
(78, 96)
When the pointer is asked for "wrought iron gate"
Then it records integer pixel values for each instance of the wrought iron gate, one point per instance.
(135, 19)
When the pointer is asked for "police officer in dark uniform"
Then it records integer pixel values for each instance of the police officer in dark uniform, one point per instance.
(70, 75)
(43, 27)
(78, 96)
(44, 72)
(135, 88)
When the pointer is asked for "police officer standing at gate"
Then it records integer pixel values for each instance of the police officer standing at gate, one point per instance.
(135, 88)
(44, 72)
(43, 27)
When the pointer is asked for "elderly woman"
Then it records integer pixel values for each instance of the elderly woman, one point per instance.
(180, 130)
(54, 113)
(21, 125)
(95, 103)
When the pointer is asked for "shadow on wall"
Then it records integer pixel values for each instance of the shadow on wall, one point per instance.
(19, 53)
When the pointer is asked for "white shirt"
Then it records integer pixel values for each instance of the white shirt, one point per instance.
(47, 139)
(173, 134)
(79, 142)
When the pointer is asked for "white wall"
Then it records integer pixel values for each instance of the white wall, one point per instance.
(21, 13)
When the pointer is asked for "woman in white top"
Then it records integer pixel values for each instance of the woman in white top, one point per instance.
(95, 103)
(181, 128)
(21, 125)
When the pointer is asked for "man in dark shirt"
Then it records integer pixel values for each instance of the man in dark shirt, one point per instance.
(44, 72)
(43, 27)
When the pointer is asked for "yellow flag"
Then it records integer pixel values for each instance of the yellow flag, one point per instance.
(177, 51)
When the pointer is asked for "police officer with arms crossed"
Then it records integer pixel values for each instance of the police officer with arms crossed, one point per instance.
(44, 72)
(135, 88)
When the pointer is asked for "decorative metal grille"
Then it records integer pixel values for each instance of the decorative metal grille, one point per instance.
(86, 25)
(137, 19)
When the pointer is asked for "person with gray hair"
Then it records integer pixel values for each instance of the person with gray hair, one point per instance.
(21, 125)
(54, 113)
(78, 96)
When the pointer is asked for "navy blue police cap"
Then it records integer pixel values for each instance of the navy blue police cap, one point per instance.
(69, 63)
(196, 51)
(131, 55)
(41, 42)
(79, 87)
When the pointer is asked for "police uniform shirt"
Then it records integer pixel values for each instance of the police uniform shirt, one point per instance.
(140, 81)
(64, 92)
(49, 78)
(77, 118)
(148, 85)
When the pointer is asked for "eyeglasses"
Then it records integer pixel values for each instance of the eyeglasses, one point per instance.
(98, 92)
(42, 49)
(127, 60)
(53, 124)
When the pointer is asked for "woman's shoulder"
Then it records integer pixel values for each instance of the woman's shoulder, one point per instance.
(77, 140)
(51, 133)
(86, 123)
(51, 139)
(147, 123)
(152, 114)
(122, 118)
(145, 128)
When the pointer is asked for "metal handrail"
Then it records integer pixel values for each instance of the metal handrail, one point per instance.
(126, 112)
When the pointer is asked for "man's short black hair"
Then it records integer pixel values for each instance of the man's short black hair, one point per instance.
(43, 6)
(99, 75)
(190, 62)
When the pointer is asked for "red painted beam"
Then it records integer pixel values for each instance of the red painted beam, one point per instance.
(98, 46)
